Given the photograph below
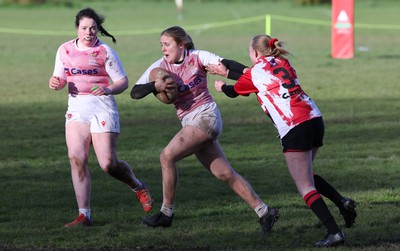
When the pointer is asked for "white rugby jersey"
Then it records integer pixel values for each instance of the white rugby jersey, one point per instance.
(191, 77)
(83, 69)
(279, 93)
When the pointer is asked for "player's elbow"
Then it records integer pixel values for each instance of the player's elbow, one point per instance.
(135, 94)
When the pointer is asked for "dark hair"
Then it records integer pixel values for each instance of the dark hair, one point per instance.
(99, 19)
(262, 44)
(180, 36)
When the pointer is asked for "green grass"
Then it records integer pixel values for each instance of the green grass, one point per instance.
(358, 98)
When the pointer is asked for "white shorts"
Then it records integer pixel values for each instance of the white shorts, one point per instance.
(99, 112)
(207, 118)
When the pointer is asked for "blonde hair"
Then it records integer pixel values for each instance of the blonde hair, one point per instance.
(267, 46)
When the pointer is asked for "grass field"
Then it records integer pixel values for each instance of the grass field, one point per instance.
(359, 99)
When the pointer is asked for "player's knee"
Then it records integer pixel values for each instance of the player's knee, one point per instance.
(222, 177)
(77, 162)
(166, 157)
(227, 177)
(78, 166)
(108, 165)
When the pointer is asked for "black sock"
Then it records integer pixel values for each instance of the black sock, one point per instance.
(319, 208)
(324, 188)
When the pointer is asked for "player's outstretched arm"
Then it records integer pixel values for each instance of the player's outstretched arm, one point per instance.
(227, 68)
(141, 91)
(228, 90)
(235, 68)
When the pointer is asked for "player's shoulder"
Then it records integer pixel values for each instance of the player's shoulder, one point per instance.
(109, 51)
(69, 43)
(206, 57)
(282, 60)
(107, 47)
(199, 52)
(160, 63)
(66, 47)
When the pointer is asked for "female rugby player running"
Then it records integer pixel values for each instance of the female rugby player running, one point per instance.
(201, 125)
(299, 123)
(87, 65)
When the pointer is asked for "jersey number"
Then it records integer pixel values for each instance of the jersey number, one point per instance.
(285, 76)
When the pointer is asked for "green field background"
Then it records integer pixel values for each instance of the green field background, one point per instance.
(359, 99)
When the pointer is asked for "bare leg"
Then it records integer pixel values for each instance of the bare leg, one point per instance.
(186, 142)
(213, 158)
(78, 140)
(105, 146)
(191, 140)
(300, 168)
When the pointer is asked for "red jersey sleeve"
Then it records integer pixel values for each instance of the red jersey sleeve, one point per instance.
(244, 86)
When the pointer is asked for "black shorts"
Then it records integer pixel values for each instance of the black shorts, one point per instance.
(304, 136)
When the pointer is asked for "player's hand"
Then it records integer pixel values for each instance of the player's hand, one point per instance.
(55, 83)
(218, 85)
(99, 90)
(162, 84)
(170, 84)
(217, 69)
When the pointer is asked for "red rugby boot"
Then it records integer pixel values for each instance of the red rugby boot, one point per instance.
(80, 221)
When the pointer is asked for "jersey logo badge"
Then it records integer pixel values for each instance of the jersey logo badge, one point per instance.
(93, 62)
(66, 70)
(191, 62)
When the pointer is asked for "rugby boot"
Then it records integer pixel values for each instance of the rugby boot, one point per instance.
(348, 211)
(331, 240)
(158, 220)
(268, 220)
(81, 220)
(144, 197)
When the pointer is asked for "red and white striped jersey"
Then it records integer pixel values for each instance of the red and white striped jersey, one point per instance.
(279, 93)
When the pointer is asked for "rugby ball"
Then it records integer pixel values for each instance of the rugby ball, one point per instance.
(167, 96)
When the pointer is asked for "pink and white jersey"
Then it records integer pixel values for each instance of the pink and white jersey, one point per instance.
(83, 69)
(191, 77)
(279, 93)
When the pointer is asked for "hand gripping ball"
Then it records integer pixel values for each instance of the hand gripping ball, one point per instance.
(167, 96)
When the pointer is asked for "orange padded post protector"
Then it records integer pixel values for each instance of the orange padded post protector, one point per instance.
(342, 29)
